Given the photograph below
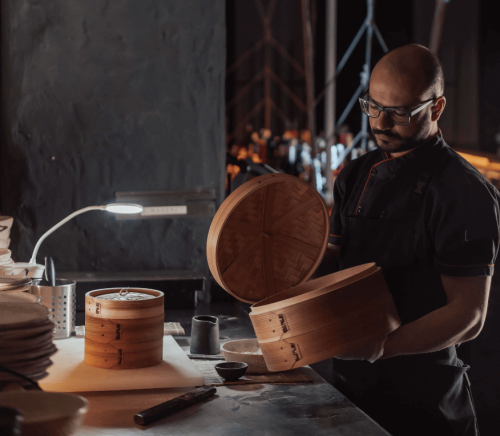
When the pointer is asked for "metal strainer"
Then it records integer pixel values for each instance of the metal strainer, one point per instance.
(61, 302)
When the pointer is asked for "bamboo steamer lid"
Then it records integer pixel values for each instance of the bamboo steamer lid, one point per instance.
(269, 235)
(124, 328)
(324, 317)
(123, 303)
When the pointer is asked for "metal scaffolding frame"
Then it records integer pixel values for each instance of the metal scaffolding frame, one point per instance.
(267, 75)
(370, 28)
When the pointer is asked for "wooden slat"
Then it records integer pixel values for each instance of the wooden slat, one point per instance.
(267, 242)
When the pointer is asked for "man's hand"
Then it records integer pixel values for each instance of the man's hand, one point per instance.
(371, 351)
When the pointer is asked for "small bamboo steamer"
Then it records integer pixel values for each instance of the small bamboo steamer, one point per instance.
(324, 318)
(123, 334)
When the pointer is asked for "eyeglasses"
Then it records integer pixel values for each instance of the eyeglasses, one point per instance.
(395, 116)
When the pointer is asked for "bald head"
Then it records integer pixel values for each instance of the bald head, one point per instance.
(406, 79)
(413, 67)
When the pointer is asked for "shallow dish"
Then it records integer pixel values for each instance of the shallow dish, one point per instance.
(47, 413)
(231, 371)
(248, 351)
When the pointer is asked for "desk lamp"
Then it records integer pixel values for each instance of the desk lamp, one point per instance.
(125, 208)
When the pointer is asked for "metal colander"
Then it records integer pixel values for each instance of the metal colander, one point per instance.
(61, 302)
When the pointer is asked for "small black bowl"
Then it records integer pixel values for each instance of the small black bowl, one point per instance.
(231, 371)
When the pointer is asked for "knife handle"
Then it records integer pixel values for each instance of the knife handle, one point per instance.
(168, 407)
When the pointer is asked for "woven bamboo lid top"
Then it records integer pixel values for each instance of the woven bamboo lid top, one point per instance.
(126, 295)
(269, 235)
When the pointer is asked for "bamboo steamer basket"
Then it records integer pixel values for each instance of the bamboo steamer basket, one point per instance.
(264, 243)
(324, 318)
(124, 328)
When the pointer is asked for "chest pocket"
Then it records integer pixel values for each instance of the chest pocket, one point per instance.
(389, 242)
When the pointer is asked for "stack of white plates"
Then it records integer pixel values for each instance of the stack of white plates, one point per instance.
(25, 341)
(5, 226)
(6, 261)
(18, 283)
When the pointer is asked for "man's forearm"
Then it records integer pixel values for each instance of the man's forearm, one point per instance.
(449, 325)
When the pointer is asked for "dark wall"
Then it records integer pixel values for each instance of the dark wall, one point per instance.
(106, 96)
(459, 55)
(489, 52)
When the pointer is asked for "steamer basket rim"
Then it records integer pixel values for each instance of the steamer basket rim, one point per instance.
(160, 294)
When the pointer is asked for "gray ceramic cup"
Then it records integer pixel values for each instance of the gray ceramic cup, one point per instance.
(205, 335)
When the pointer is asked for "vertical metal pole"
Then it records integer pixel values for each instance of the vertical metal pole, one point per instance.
(309, 72)
(437, 25)
(267, 71)
(365, 75)
(330, 114)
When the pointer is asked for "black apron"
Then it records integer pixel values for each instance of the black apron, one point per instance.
(424, 394)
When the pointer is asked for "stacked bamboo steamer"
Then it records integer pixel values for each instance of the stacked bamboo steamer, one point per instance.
(124, 328)
(17, 283)
(264, 243)
(25, 338)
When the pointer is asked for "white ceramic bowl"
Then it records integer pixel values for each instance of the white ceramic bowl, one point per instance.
(47, 413)
(6, 270)
(245, 350)
(4, 243)
(5, 256)
(34, 271)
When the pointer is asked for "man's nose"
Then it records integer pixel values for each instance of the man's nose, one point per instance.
(382, 122)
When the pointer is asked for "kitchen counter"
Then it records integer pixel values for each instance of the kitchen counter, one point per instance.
(315, 408)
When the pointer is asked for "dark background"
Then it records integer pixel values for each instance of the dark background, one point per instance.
(469, 54)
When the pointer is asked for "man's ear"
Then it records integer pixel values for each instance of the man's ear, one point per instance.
(438, 108)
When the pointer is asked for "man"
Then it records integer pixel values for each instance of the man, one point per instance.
(431, 221)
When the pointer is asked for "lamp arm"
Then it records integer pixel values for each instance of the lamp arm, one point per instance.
(59, 224)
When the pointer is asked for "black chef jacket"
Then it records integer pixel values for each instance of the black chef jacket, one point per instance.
(426, 213)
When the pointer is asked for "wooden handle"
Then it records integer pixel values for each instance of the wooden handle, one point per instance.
(168, 407)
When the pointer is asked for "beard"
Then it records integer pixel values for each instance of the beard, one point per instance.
(392, 142)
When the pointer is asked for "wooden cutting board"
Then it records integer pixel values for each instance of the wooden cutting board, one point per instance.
(294, 376)
(69, 373)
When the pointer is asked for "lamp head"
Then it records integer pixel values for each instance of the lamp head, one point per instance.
(124, 208)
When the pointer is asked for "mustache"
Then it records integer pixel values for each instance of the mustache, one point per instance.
(387, 133)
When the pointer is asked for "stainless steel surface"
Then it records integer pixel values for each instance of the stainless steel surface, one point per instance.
(61, 302)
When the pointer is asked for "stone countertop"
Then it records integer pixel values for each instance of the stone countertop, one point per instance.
(259, 409)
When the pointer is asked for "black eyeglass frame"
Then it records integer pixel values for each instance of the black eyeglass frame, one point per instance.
(384, 109)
